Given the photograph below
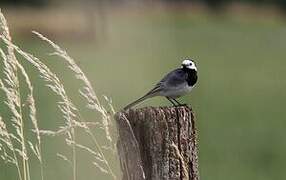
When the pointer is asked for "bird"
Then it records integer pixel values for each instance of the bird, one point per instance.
(175, 84)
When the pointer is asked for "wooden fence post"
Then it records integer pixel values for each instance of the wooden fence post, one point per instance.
(158, 143)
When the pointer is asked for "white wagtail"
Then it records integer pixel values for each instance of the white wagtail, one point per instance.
(175, 84)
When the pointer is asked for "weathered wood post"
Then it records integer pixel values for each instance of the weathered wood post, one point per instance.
(158, 143)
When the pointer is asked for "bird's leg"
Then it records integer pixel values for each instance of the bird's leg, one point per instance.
(179, 102)
(174, 104)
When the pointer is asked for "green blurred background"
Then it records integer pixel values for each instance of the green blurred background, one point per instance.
(125, 47)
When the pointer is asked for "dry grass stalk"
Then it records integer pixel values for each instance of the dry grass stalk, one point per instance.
(73, 118)
(11, 88)
(66, 106)
(53, 82)
(89, 94)
(87, 90)
(7, 149)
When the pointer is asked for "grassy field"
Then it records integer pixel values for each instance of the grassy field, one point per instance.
(239, 100)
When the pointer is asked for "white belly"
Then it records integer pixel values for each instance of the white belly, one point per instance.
(176, 92)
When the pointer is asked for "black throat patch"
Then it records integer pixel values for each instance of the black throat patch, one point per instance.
(192, 76)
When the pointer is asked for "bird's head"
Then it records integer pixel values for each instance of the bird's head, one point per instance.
(189, 64)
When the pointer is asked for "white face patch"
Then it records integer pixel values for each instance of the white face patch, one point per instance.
(189, 64)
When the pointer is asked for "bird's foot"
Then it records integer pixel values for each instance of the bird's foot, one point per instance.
(179, 104)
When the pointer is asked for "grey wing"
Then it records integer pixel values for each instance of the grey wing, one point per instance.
(155, 91)
(174, 79)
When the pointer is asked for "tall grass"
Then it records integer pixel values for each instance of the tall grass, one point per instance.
(15, 146)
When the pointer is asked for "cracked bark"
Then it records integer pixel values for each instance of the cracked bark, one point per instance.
(158, 144)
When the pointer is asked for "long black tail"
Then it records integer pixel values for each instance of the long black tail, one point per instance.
(137, 101)
(154, 92)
